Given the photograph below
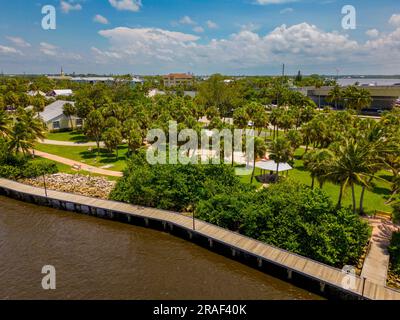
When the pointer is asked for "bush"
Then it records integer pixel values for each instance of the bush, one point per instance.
(172, 187)
(394, 251)
(396, 212)
(288, 215)
(9, 172)
(291, 216)
(37, 168)
(31, 169)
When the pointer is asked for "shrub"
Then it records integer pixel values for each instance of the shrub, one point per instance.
(394, 251)
(172, 187)
(294, 217)
(9, 172)
(396, 211)
(37, 168)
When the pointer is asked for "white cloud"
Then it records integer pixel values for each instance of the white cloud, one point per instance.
(9, 50)
(127, 5)
(48, 49)
(395, 20)
(286, 10)
(51, 50)
(373, 33)
(100, 19)
(198, 29)
(187, 20)
(66, 7)
(211, 24)
(19, 42)
(267, 2)
(300, 43)
(250, 27)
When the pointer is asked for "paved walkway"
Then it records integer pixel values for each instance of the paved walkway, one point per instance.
(83, 166)
(376, 264)
(70, 143)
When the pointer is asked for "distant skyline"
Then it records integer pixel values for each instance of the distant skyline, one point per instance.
(235, 37)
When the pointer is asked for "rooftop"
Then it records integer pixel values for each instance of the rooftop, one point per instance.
(54, 110)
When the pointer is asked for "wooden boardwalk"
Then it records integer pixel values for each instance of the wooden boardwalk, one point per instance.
(376, 264)
(293, 263)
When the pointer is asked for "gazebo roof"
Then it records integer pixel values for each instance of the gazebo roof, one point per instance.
(271, 166)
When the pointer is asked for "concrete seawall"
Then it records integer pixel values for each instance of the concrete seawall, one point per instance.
(300, 271)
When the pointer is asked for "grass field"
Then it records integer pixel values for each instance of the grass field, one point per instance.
(374, 199)
(82, 154)
(69, 136)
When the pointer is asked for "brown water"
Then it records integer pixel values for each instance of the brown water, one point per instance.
(98, 259)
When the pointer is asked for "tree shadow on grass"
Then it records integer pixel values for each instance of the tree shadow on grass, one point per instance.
(105, 156)
(78, 138)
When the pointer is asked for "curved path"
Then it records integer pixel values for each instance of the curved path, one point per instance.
(83, 166)
(70, 143)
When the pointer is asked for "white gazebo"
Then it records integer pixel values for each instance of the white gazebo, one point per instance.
(272, 166)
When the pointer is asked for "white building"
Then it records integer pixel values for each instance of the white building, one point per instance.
(53, 116)
(63, 92)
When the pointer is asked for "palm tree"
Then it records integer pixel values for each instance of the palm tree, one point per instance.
(5, 122)
(351, 166)
(260, 149)
(20, 138)
(69, 110)
(280, 151)
(35, 126)
(318, 162)
(335, 95)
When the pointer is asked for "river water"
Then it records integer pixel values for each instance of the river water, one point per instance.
(99, 259)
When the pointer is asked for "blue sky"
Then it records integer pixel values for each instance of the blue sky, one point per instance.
(200, 36)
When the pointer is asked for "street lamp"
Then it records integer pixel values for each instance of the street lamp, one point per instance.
(44, 183)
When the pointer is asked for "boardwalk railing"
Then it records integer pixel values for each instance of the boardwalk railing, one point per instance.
(312, 275)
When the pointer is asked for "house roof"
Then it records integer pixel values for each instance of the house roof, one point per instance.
(63, 92)
(54, 110)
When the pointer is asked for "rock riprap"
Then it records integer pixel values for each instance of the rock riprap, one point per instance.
(97, 187)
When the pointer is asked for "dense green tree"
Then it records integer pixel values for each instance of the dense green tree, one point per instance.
(94, 127)
(112, 139)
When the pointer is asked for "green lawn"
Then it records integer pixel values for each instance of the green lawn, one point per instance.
(69, 136)
(82, 154)
(63, 168)
(374, 199)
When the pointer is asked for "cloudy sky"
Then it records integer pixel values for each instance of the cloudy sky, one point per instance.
(200, 36)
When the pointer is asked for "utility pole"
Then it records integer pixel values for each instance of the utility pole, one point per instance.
(283, 75)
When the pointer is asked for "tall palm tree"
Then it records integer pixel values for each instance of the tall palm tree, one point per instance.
(260, 149)
(335, 95)
(35, 126)
(351, 166)
(280, 151)
(20, 139)
(318, 162)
